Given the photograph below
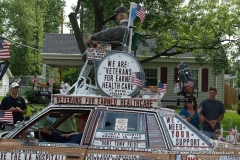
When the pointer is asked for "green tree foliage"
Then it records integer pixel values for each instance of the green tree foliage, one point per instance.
(206, 29)
(24, 23)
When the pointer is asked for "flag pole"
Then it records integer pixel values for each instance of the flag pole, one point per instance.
(130, 23)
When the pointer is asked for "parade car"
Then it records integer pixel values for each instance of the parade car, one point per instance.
(125, 122)
(116, 129)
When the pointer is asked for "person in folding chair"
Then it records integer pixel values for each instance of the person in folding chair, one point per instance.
(115, 33)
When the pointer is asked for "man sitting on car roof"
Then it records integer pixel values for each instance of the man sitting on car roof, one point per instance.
(68, 138)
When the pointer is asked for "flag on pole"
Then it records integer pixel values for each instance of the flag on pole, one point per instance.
(34, 80)
(189, 84)
(51, 80)
(139, 12)
(136, 79)
(4, 49)
(236, 137)
(6, 116)
(162, 88)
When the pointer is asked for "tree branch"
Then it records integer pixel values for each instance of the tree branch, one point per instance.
(78, 6)
(158, 54)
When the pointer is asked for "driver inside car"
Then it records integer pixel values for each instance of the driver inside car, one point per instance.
(67, 138)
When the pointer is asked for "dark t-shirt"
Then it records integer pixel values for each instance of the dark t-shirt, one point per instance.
(211, 110)
(9, 102)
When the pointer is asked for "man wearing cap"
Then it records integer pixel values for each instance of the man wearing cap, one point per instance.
(68, 138)
(14, 103)
(114, 33)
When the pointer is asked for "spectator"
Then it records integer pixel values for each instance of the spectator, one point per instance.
(15, 104)
(114, 33)
(217, 134)
(68, 138)
(191, 113)
(213, 112)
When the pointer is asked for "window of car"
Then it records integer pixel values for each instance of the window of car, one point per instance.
(128, 130)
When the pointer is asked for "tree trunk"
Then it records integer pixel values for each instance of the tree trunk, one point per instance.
(98, 11)
(78, 35)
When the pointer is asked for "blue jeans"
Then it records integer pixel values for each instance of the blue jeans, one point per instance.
(209, 134)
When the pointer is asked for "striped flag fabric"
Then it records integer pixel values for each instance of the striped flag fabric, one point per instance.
(188, 84)
(136, 79)
(140, 13)
(4, 49)
(6, 116)
(162, 88)
(34, 80)
(51, 80)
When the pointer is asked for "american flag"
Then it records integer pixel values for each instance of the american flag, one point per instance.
(141, 14)
(34, 80)
(162, 87)
(6, 116)
(4, 49)
(136, 79)
(145, 85)
(51, 80)
(189, 84)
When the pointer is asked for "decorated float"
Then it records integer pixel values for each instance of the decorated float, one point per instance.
(126, 121)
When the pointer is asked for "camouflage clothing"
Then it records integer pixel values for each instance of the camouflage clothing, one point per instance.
(112, 34)
(121, 9)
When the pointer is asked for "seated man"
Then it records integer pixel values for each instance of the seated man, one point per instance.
(114, 33)
(68, 138)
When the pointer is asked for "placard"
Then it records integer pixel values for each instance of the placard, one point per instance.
(29, 156)
(120, 135)
(106, 101)
(121, 124)
(120, 74)
(132, 144)
(182, 136)
(96, 54)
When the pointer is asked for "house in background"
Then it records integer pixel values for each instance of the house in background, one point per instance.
(164, 70)
(61, 50)
(230, 80)
(4, 83)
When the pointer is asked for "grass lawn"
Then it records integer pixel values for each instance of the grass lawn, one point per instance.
(37, 107)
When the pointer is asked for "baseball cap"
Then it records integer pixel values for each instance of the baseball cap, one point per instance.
(14, 84)
(121, 9)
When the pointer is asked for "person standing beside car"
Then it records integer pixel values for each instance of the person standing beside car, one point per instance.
(213, 112)
(15, 104)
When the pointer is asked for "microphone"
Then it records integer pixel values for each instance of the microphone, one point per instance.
(113, 17)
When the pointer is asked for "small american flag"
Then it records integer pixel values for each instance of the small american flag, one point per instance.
(34, 80)
(136, 79)
(162, 87)
(6, 116)
(141, 14)
(189, 84)
(4, 49)
(51, 80)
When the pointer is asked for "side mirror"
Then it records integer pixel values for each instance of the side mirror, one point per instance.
(30, 136)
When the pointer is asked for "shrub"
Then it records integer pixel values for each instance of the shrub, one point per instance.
(30, 95)
(234, 107)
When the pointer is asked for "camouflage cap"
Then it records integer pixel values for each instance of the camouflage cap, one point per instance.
(121, 9)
